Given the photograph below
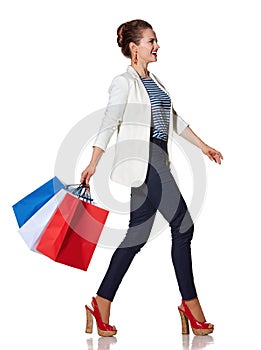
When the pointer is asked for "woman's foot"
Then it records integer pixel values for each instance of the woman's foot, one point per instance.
(195, 309)
(191, 311)
(103, 328)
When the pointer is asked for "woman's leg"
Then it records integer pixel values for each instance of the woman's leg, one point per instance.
(142, 216)
(164, 194)
(174, 209)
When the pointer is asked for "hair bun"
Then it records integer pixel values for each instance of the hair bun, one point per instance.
(120, 33)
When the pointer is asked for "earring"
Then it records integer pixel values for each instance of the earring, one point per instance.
(135, 59)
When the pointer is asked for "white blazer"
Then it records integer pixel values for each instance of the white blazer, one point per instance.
(129, 112)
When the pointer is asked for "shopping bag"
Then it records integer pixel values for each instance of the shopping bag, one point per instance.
(72, 233)
(33, 228)
(31, 203)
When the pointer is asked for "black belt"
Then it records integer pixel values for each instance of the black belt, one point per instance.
(157, 140)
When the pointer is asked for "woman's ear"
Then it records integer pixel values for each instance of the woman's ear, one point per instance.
(133, 48)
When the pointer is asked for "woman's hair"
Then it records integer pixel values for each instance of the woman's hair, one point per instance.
(131, 32)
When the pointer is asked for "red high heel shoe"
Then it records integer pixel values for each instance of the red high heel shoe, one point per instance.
(198, 328)
(104, 329)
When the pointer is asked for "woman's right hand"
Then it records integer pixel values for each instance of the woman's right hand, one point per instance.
(90, 170)
(87, 174)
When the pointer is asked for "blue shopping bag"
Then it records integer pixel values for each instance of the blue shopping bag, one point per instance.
(30, 204)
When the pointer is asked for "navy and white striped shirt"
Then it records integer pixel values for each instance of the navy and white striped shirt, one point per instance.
(160, 108)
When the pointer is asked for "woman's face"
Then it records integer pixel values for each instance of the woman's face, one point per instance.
(148, 47)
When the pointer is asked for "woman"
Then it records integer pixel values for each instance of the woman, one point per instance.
(140, 109)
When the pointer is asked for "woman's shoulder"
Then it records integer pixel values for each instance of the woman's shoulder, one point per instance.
(130, 74)
(120, 82)
(124, 79)
(127, 76)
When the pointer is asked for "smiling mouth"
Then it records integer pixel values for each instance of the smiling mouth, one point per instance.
(154, 53)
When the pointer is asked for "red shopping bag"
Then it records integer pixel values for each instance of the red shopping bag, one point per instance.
(72, 233)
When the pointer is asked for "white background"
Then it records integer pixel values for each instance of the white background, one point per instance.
(57, 61)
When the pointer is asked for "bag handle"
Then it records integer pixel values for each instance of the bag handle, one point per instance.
(81, 191)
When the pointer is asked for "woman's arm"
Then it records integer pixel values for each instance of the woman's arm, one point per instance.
(212, 154)
(118, 97)
(90, 169)
(113, 115)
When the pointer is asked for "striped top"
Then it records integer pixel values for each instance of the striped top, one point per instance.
(160, 108)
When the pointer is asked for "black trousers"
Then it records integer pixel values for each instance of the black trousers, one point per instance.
(158, 192)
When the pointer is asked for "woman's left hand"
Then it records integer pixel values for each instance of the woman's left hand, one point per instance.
(212, 154)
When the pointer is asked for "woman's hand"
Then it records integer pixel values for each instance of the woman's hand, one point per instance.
(212, 153)
(90, 170)
(87, 174)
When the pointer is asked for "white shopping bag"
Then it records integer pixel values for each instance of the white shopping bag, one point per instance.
(32, 230)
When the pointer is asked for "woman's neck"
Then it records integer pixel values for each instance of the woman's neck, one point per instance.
(142, 70)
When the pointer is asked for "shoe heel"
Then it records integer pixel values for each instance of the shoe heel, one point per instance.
(184, 323)
(89, 322)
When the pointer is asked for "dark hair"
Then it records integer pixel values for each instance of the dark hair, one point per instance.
(130, 32)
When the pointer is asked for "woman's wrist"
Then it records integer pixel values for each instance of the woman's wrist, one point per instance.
(202, 145)
(92, 164)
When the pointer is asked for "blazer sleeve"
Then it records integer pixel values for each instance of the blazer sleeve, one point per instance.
(179, 124)
(118, 97)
